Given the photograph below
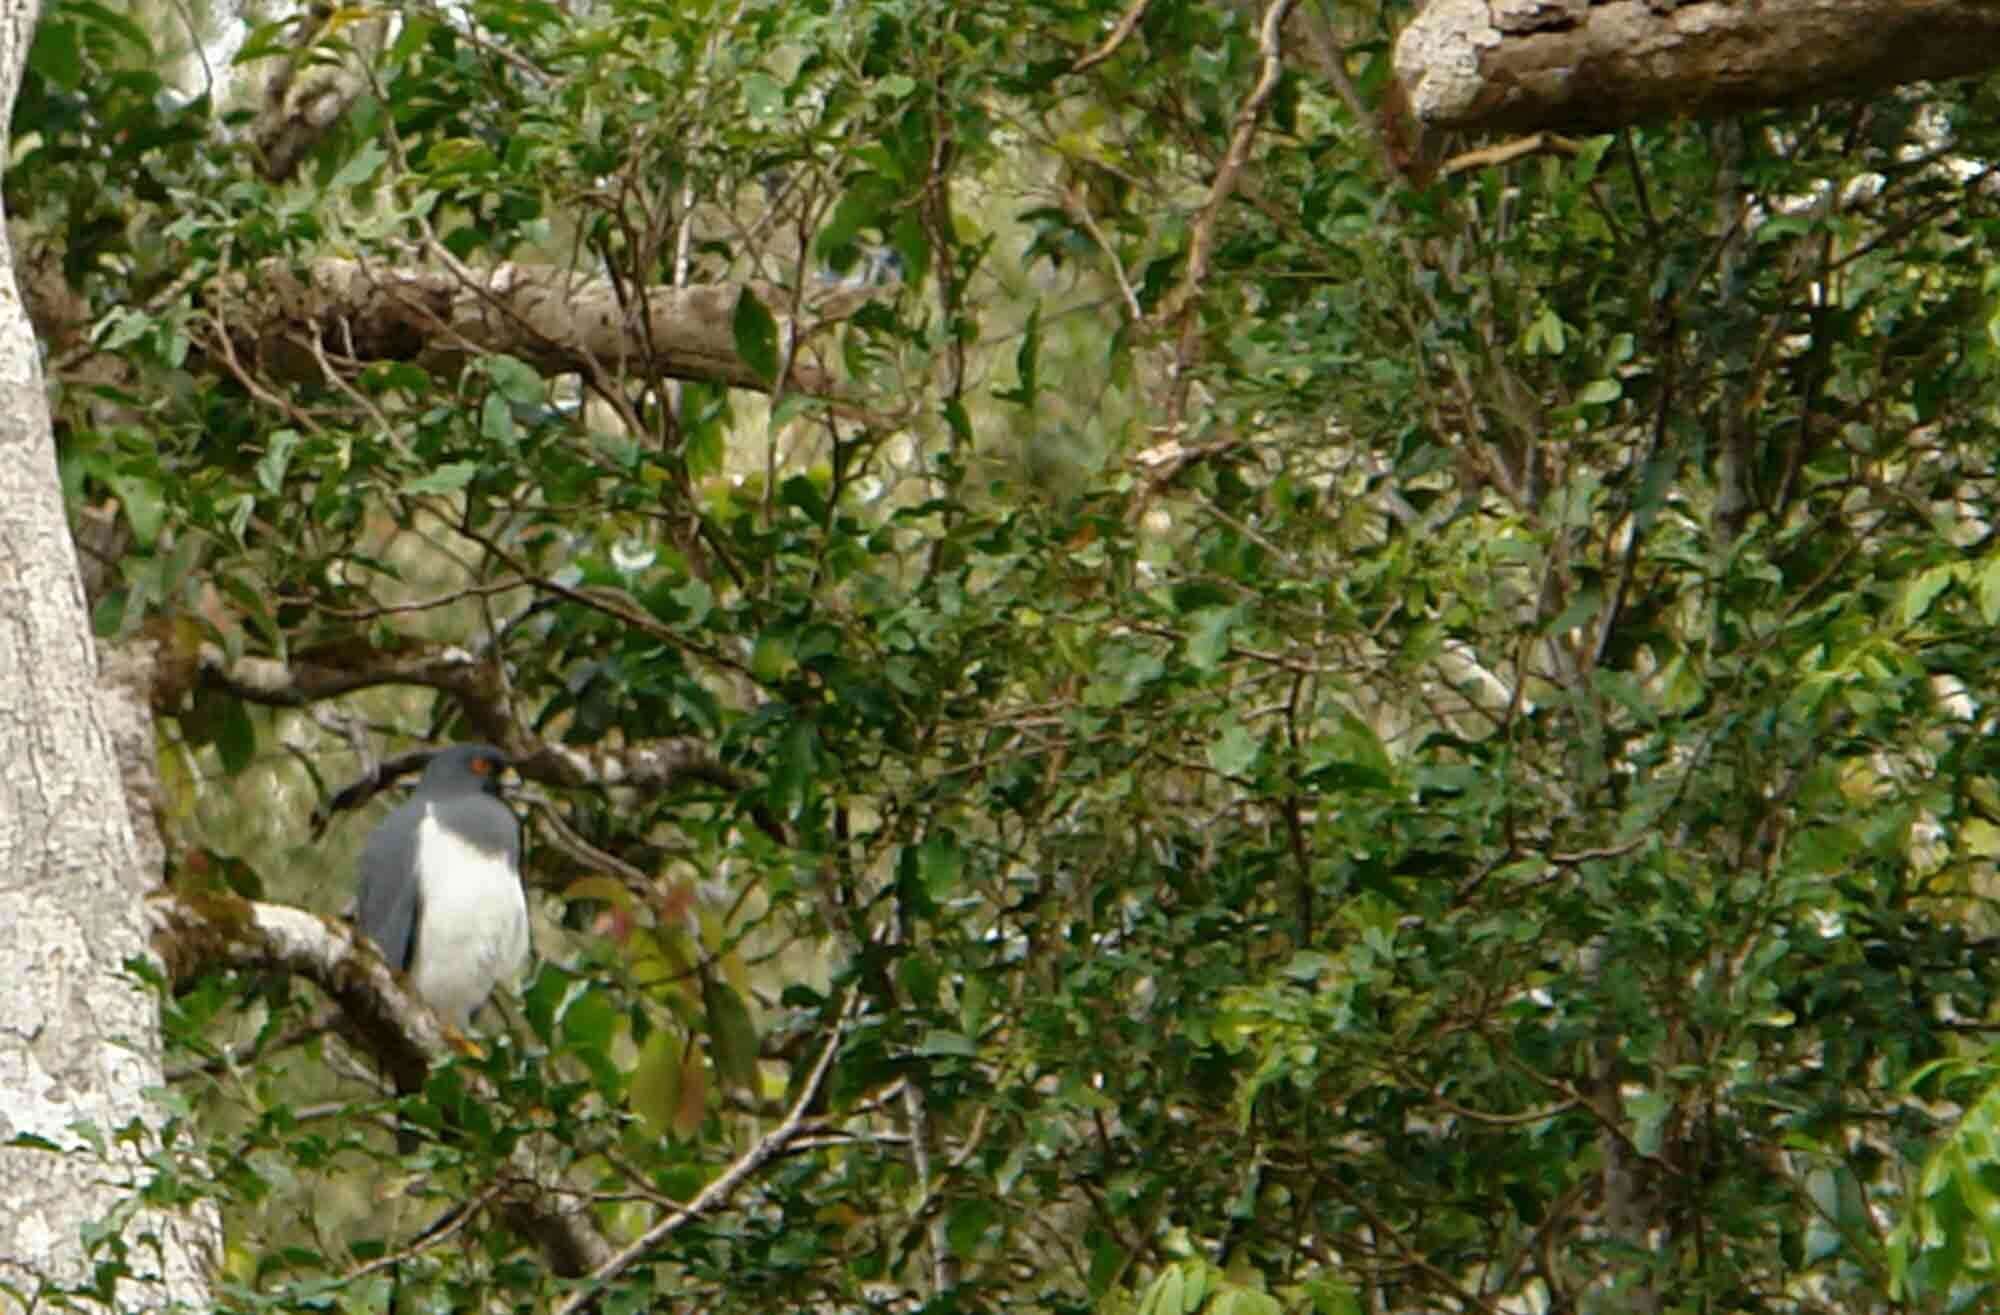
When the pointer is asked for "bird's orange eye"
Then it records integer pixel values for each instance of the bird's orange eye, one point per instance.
(482, 767)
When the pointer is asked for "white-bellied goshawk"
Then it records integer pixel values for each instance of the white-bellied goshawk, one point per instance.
(441, 884)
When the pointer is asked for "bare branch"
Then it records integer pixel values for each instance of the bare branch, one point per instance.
(1127, 23)
(556, 320)
(1578, 66)
(1507, 152)
(475, 683)
(1201, 245)
(646, 764)
(317, 674)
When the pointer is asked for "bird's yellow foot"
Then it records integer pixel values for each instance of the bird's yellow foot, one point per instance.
(462, 1043)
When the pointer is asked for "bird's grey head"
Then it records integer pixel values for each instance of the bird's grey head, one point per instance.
(464, 769)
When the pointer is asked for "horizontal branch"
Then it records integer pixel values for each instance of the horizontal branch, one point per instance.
(554, 319)
(317, 675)
(193, 933)
(645, 764)
(1577, 65)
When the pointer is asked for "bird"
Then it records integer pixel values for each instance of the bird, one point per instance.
(441, 890)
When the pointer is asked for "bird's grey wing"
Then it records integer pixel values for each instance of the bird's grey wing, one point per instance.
(387, 906)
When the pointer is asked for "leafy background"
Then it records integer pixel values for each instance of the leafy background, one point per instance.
(1438, 763)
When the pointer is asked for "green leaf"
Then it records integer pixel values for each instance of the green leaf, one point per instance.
(277, 457)
(145, 507)
(732, 1036)
(966, 1227)
(867, 196)
(515, 379)
(28, 1141)
(1208, 639)
(1547, 335)
(445, 479)
(1197, 1276)
(360, 167)
(1332, 1297)
(1649, 1112)
(655, 1090)
(940, 861)
(496, 420)
(589, 1029)
(763, 98)
(696, 597)
(1235, 750)
(236, 737)
(938, 1042)
(973, 996)
(756, 336)
(773, 658)
(1988, 589)
(796, 767)
(1027, 364)
(1247, 1301)
(917, 974)
(1923, 591)
(56, 54)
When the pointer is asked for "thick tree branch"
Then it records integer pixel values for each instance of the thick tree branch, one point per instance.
(194, 933)
(554, 319)
(1578, 66)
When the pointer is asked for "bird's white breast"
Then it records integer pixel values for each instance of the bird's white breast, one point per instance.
(473, 932)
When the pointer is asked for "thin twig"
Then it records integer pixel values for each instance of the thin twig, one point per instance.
(1128, 22)
(449, 599)
(1507, 152)
(230, 1058)
(767, 1148)
(1607, 851)
(1078, 210)
(430, 1236)
(1181, 306)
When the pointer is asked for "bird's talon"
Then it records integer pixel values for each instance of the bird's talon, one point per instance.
(462, 1043)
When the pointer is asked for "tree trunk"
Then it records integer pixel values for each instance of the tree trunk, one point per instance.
(79, 1039)
(1579, 66)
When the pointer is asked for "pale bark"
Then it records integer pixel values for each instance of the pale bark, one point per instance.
(1576, 66)
(79, 1038)
(344, 311)
(331, 317)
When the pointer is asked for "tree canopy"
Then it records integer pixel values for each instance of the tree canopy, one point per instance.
(1128, 703)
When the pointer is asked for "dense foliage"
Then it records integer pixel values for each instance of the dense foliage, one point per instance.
(1313, 742)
